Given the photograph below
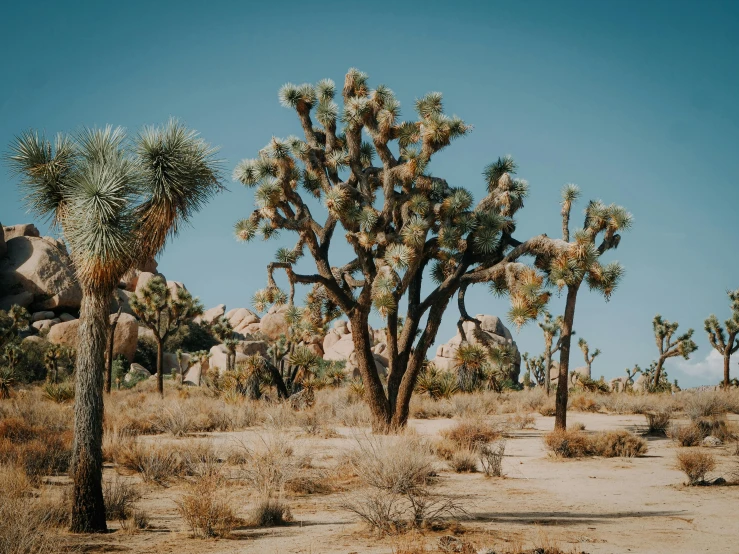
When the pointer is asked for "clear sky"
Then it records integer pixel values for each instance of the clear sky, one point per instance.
(636, 102)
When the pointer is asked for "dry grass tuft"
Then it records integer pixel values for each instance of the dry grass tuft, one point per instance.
(491, 458)
(696, 465)
(658, 422)
(120, 498)
(464, 461)
(270, 512)
(467, 434)
(609, 444)
(206, 510)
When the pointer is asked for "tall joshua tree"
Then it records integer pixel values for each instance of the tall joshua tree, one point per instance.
(397, 218)
(535, 367)
(589, 358)
(117, 202)
(725, 342)
(670, 347)
(551, 329)
(164, 313)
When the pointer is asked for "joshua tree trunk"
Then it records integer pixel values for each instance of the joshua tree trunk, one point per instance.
(109, 360)
(548, 368)
(88, 506)
(160, 366)
(727, 359)
(658, 372)
(560, 418)
(373, 390)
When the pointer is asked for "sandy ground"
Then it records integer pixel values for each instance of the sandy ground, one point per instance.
(591, 505)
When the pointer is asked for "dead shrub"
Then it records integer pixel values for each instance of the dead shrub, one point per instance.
(547, 409)
(685, 435)
(583, 403)
(568, 443)
(206, 510)
(717, 426)
(445, 448)
(137, 521)
(618, 444)
(268, 468)
(119, 499)
(521, 421)
(577, 426)
(17, 431)
(491, 458)
(157, 463)
(270, 512)
(464, 461)
(23, 529)
(705, 404)
(657, 422)
(696, 465)
(470, 432)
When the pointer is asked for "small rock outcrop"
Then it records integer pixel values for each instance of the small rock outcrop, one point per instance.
(124, 341)
(274, 324)
(41, 267)
(211, 315)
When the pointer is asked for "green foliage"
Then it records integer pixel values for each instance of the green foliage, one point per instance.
(119, 369)
(435, 383)
(190, 337)
(146, 353)
(162, 311)
(59, 393)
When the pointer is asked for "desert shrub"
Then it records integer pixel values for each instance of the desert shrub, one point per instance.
(491, 458)
(622, 444)
(206, 510)
(23, 528)
(424, 407)
(190, 337)
(270, 512)
(695, 465)
(657, 422)
(717, 426)
(16, 430)
(476, 405)
(138, 520)
(399, 473)
(119, 499)
(59, 393)
(46, 454)
(157, 463)
(174, 419)
(577, 426)
(464, 461)
(31, 366)
(313, 424)
(583, 403)
(547, 409)
(705, 405)
(577, 444)
(269, 467)
(471, 432)
(445, 448)
(685, 434)
(568, 443)
(520, 421)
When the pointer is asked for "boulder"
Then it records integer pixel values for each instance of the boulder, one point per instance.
(136, 371)
(241, 317)
(143, 278)
(24, 230)
(43, 269)
(578, 372)
(274, 323)
(22, 299)
(130, 279)
(491, 332)
(35, 339)
(341, 327)
(316, 349)
(66, 317)
(341, 350)
(218, 355)
(38, 316)
(330, 339)
(192, 375)
(251, 347)
(211, 315)
(43, 324)
(712, 441)
(122, 300)
(174, 288)
(640, 385)
(124, 340)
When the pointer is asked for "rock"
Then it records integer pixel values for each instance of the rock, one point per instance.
(274, 324)
(35, 339)
(251, 329)
(143, 279)
(122, 300)
(38, 316)
(316, 349)
(341, 350)
(579, 372)
(136, 371)
(712, 441)
(251, 347)
(22, 299)
(124, 340)
(330, 339)
(174, 288)
(491, 332)
(130, 279)
(241, 317)
(211, 315)
(341, 327)
(35, 265)
(218, 356)
(43, 324)
(24, 230)
(66, 317)
(640, 385)
(192, 375)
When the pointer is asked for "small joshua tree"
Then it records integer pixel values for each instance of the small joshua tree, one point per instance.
(11, 323)
(725, 342)
(469, 360)
(200, 357)
(54, 355)
(551, 328)
(224, 332)
(583, 344)
(164, 313)
(668, 347)
(536, 368)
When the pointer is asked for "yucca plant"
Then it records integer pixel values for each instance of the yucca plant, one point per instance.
(116, 202)
(164, 312)
(589, 358)
(399, 220)
(725, 342)
(7, 381)
(669, 346)
(469, 360)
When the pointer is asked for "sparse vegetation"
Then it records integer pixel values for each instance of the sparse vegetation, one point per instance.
(609, 444)
(696, 465)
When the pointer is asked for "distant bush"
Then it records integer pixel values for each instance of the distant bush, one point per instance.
(491, 458)
(609, 444)
(695, 465)
(685, 435)
(270, 512)
(657, 422)
(464, 461)
(467, 434)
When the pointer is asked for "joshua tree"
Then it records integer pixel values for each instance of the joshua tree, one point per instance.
(116, 202)
(583, 344)
(224, 332)
(111, 345)
(551, 328)
(568, 264)
(536, 367)
(12, 322)
(53, 356)
(726, 343)
(469, 360)
(497, 369)
(682, 345)
(398, 220)
(164, 312)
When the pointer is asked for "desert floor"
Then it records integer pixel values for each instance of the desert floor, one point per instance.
(594, 505)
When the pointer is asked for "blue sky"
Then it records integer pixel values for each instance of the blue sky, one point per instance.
(633, 101)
